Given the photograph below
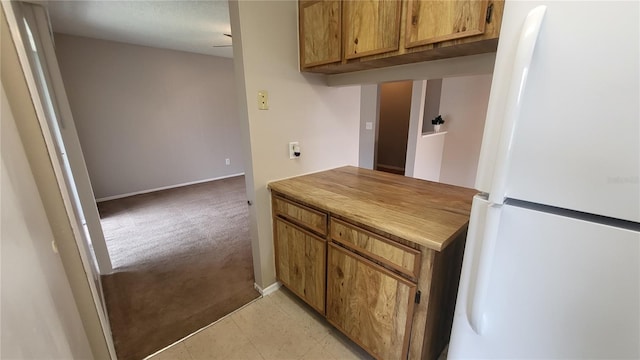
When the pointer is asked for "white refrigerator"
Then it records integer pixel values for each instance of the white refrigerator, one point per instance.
(551, 268)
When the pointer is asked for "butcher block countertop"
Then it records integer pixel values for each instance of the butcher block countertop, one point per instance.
(423, 212)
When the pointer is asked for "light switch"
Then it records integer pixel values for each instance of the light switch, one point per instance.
(263, 100)
(368, 125)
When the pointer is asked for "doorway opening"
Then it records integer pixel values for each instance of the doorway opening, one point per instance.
(175, 216)
(405, 140)
(451, 155)
(193, 263)
(393, 126)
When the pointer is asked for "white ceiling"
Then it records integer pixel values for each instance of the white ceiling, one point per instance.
(185, 25)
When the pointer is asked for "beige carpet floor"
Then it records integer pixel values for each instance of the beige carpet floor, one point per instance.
(182, 260)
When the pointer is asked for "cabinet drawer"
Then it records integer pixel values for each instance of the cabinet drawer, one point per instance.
(399, 257)
(299, 214)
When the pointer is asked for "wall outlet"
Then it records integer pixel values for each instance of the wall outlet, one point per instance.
(263, 100)
(294, 150)
(227, 161)
(368, 125)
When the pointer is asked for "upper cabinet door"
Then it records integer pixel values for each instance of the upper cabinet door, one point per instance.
(320, 32)
(435, 21)
(371, 27)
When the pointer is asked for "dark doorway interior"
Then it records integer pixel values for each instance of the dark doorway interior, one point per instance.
(393, 126)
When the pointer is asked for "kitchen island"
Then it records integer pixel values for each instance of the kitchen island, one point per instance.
(377, 254)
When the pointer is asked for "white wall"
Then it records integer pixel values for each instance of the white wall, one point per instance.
(149, 118)
(429, 152)
(302, 108)
(39, 315)
(463, 105)
(431, 103)
(424, 152)
(427, 159)
(369, 112)
(451, 156)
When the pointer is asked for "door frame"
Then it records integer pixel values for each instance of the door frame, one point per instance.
(79, 183)
(14, 13)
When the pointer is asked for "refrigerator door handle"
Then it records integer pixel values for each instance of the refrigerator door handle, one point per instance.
(472, 249)
(476, 268)
(481, 269)
(517, 85)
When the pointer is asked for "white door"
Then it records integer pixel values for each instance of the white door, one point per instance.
(47, 90)
(60, 123)
(563, 127)
(542, 285)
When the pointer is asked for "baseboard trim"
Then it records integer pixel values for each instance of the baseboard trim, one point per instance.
(269, 289)
(114, 197)
(390, 167)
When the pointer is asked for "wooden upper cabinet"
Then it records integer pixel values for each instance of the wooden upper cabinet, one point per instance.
(352, 35)
(320, 32)
(370, 27)
(430, 22)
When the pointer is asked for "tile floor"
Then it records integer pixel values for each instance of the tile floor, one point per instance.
(278, 326)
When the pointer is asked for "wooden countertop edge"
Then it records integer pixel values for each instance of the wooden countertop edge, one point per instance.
(375, 227)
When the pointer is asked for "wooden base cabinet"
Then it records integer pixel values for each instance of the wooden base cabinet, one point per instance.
(370, 304)
(300, 262)
(392, 296)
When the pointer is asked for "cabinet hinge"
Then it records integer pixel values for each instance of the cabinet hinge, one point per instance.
(418, 293)
(489, 13)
